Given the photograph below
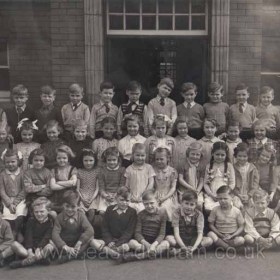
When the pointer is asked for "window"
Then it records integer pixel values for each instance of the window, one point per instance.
(157, 17)
(4, 71)
(270, 73)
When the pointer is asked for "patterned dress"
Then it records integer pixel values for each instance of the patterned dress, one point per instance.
(88, 188)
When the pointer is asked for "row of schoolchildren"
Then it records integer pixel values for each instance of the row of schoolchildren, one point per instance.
(241, 112)
(146, 189)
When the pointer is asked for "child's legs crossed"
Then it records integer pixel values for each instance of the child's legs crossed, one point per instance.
(162, 246)
(19, 250)
(135, 245)
(249, 240)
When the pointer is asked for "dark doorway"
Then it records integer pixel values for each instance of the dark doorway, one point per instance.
(148, 59)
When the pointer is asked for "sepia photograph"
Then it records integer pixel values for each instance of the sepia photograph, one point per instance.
(139, 139)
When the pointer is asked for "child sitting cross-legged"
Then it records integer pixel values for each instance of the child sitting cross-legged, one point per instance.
(261, 223)
(149, 232)
(118, 226)
(37, 242)
(72, 231)
(226, 221)
(188, 224)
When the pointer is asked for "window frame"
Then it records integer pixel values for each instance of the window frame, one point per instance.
(5, 94)
(157, 32)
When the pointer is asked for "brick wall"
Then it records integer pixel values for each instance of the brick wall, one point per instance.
(67, 45)
(29, 44)
(245, 46)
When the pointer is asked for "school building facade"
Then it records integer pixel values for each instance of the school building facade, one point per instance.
(60, 42)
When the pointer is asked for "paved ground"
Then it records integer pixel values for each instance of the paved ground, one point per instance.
(229, 267)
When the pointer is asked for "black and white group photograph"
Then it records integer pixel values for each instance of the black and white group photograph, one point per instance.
(139, 139)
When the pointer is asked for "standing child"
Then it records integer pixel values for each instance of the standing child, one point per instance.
(64, 176)
(182, 142)
(150, 229)
(12, 193)
(37, 239)
(53, 131)
(260, 139)
(262, 223)
(79, 141)
(110, 178)
(246, 175)
(139, 176)
(267, 171)
(269, 113)
(232, 139)
(87, 184)
(6, 240)
(103, 109)
(242, 112)
(191, 174)
(218, 172)
(188, 225)
(163, 105)
(209, 129)
(133, 108)
(72, 231)
(125, 144)
(107, 140)
(226, 221)
(191, 111)
(19, 111)
(48, 111)
(165, 181)
(37, 179)
(75, 110)
(160, 139)
(118, 226)
(26, 146)
(216, 109)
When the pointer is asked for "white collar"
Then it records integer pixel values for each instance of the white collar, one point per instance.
(13, 173)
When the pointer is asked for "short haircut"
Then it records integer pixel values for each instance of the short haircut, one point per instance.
(189, 195)
(13, 152)
(112, 151)
(259, 123)
(51, 124)
(166, 81)
(241, 147)
(194, 146)
(41, 201)
(76, 88)
(131, 118)
(241, 86)
(267, 89)
(36, 152)
(138, 146)
(214, 87)
(19, 90)
(47, 89)
(65, 149)
(148, 194)
(234, 124)
(224, 189)
(124, 192)
(260, 194)
(71, 197)
(80, 123)
(188, 86)
(133, 86)
(106, 85)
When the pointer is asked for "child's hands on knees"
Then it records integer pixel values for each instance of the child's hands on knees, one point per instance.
(30, 253)
(38, 254)
(77, 247)
(69, 250)
(146, 244)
